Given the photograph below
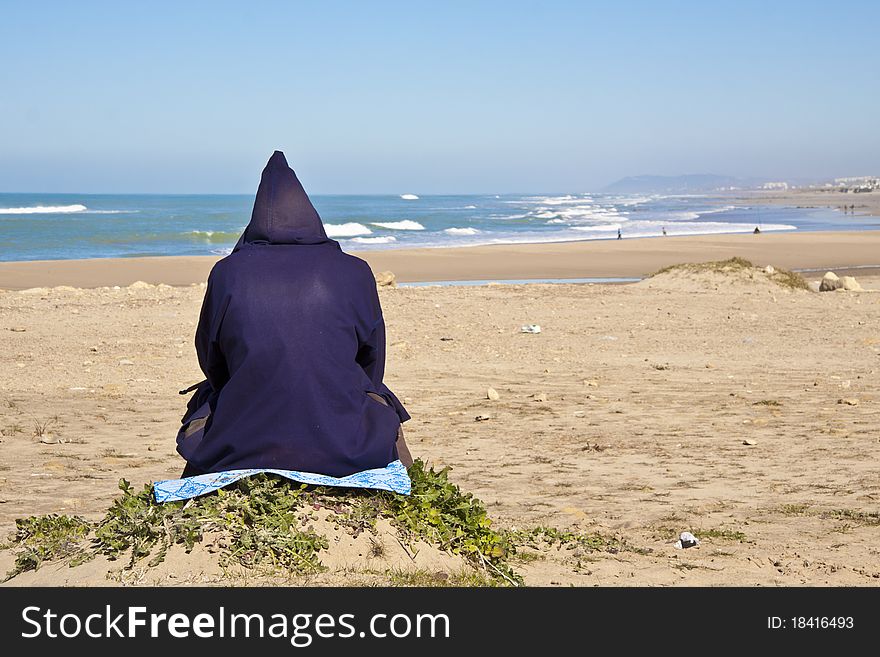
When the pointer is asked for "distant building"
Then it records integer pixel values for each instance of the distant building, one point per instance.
(856, 184)
(778, 186)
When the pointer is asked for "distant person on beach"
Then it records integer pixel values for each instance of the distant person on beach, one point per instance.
(664, 231)
(291, 340)
(619, 236)
(756, 231)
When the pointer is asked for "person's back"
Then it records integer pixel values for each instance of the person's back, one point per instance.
(291, 339)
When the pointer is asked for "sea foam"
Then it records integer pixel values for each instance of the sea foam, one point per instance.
(406, 224)
(350, 229)
(45, 209)
(461, 231)
(409, 197)
(385, 239)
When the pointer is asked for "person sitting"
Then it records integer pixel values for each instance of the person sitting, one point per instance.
(291, 340)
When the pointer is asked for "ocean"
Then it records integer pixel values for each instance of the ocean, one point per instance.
(71, 226)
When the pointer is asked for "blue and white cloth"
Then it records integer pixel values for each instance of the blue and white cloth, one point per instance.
(393, 477)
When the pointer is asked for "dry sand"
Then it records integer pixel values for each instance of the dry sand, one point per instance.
(627, 414)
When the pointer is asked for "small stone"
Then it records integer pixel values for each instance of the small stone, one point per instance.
(579, 414)
(530, 328)
(17, 329)
(386, 279)
(769, 269)
(125, 361)
(492, 394)
(750, 442)
(852, 401)
(591, 383)
(540, 396)
(830, 282)
(850, 284)
(482, 418)
(48, 439)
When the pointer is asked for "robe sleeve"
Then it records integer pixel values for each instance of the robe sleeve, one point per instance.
(210, 356)
(371, 357)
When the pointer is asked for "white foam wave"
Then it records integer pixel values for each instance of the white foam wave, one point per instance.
(350, 229)
(45, 209)
(406, 224)
(385, 239)
(461, 231)
(568, 199)
(724, 208)
(409, 197)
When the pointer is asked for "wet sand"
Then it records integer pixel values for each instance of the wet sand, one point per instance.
(588, 259)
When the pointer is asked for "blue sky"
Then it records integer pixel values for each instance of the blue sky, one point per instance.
(374, 97)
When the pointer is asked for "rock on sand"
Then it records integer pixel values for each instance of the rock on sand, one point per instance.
(830, 282)
(386, 278)
(851, 284)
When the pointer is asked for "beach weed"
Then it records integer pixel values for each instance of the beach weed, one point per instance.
(45, 538)
(264, 523)
(723, 534)
(426, 578)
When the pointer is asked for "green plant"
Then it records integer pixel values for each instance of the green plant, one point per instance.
(46, 537)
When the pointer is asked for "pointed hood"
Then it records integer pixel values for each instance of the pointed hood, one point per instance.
(283, 213)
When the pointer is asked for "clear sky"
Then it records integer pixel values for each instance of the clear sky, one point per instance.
(375, 97)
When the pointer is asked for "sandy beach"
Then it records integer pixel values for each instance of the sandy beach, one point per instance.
(840, 251)
(628, 414)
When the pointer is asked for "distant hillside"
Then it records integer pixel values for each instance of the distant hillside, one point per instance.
(703, 182)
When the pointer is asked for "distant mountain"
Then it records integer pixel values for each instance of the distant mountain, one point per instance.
(702, 182)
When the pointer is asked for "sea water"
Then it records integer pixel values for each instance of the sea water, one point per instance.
(69, 226)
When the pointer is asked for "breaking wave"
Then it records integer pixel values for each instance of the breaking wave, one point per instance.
(45, 209)
(406, 224)
(350, 229)
(375, 240)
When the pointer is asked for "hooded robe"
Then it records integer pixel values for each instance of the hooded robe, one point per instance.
(291, 339)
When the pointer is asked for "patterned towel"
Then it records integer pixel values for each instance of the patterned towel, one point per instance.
(392, 477)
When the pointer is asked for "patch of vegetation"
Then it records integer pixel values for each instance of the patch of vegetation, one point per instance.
(45, 538)
(12, 429)
(668, 533)
(549, 536)
(42, 428)
(724, 534)
(767, 402)
(427, 578)
(866, 518)
(794, 509)
(719, 266)
(265, 522)
(781, 277)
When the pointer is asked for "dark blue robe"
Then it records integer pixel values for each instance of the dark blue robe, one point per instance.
(291, 339)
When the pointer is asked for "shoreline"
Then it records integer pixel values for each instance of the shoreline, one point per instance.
(628, 258)
(866, 203)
